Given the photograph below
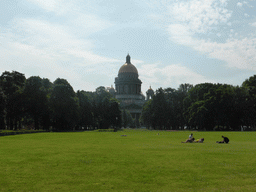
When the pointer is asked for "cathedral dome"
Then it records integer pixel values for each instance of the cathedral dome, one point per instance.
(128, 67)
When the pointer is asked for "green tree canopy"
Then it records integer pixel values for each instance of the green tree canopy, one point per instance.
(35, 101)
(64, 105)
(12, 84)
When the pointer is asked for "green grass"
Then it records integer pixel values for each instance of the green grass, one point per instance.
(140, 161)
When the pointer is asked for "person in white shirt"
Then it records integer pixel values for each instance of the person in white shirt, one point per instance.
(190, 139)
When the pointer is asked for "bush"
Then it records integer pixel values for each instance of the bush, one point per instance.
(10, 132)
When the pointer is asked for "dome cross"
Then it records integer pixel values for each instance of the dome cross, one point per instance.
(128, 59)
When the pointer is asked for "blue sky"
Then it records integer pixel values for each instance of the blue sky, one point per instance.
(170, 41)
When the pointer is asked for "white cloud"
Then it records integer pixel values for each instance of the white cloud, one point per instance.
(239, 4)
(246, 15)
(168, 76)
(33, 61)
(52, 50)
(87, 23)
(81, 20)
(20, 57)
(59, 7)
(237, 53)
(200, 15)
(49, 5)
(57, 41)
(136, 61)
(180, 34)
(90, 57)
(253, 24)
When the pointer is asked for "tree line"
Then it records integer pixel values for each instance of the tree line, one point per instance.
(205, 106)
(37, 103)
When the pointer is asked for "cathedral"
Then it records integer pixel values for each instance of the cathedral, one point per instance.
(128, 90)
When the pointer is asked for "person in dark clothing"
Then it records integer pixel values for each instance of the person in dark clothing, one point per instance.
(225, 140)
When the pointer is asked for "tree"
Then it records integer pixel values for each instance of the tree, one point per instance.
(210, 105)
(114, 113)
(242, 109)
(171, 113)
(47, 87)
(85, 110)
(2, 109)
(64, 106)
(106, 111)
(12, 84)
(127, 120)
(196, 113)
(35, 99)
(165, 109)
(159, 110)
(250, 86)
(219, 102)
(146, 115)
(182, 93)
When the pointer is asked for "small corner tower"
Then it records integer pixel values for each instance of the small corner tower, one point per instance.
(150, 93)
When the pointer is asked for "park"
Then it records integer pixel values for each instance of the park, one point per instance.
(128, 95)
(127, 160)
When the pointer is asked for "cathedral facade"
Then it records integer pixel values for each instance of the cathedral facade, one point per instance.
(128, 90)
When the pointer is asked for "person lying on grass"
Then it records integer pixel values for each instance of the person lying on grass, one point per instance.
(189, 140)
(201, 140)
(225, 140)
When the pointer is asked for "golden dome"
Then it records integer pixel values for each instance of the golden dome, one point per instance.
(128, 67)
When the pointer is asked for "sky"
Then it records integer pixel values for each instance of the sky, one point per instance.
(171, 42)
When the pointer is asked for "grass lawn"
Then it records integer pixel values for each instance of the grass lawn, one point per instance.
(140, 161)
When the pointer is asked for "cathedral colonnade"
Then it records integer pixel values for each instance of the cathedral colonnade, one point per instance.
(128, 89)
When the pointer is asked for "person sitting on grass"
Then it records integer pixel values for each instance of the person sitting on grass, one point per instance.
(190, 136)
(189, 140)
(225, 140)
(199, 140)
